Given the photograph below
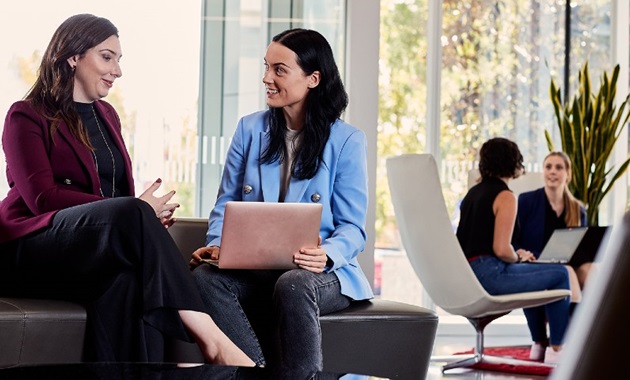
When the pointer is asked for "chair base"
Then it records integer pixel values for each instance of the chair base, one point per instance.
(471, 360)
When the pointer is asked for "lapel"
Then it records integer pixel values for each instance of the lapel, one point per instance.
(297, 188)
(269, 173)
(83, 153)
(270, 178)
(85, 156)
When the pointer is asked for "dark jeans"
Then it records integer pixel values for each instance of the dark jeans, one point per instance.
(273, 316)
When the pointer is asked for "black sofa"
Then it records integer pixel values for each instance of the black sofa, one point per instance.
(381, 338)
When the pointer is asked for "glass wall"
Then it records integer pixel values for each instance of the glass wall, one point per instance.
(497, 61)
(191, 69)
(164, 91)
(156, 97)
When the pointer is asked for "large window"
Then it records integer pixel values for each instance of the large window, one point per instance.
(235, 35)
(156, 97)
(190, 70)
(496, 64)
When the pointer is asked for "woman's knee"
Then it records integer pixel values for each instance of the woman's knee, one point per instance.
(122, 210)
(583, 272)
(205, 279)
(574, 285)
(293, 284)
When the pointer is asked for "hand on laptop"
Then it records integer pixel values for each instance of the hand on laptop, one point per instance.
(525, 255)
(202, 254)
(312, 259)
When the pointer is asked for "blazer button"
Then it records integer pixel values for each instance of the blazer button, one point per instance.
(67, 181)
(247, 189)
(316, 197)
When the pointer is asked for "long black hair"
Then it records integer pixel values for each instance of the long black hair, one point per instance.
(52, 93)
(324, 103)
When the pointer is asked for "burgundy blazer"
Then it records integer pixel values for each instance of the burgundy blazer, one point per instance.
(47, 175)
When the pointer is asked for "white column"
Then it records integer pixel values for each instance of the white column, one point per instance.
(618, 196)
(434, 77)
(361, 81)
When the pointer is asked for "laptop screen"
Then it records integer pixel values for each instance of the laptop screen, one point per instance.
(562, 244)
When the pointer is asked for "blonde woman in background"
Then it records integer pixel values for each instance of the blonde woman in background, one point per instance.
(540, 212)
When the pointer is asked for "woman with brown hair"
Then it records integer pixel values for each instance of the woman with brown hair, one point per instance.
(70, 226)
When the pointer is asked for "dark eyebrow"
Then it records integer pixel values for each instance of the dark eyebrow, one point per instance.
(277, 64)
(111, 51)
(281, 64)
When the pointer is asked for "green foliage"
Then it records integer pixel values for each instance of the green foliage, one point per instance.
(402, 99)
(589, 127)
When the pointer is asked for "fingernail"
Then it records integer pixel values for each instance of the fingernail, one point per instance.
(159, 180)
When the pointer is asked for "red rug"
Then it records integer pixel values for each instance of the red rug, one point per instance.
(520, 353)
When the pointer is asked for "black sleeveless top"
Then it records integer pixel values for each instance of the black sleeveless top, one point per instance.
(476, 224)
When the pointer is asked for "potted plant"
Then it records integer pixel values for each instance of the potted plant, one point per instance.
(589, 127)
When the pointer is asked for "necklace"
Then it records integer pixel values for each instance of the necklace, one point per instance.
(111, 154)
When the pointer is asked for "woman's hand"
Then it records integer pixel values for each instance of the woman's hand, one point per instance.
(204, 253)
(312, 259)
(525, 255)
(163, 210)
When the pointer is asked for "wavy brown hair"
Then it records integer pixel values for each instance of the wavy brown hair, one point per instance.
(571, 204)
(52, 93)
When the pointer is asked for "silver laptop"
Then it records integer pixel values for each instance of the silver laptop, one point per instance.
(266, 235)
(561, 245)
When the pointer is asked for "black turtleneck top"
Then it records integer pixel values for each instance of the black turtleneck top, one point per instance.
(107, 157)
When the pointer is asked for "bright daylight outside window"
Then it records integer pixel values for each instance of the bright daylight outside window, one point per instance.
(497, 60)
(156, 97)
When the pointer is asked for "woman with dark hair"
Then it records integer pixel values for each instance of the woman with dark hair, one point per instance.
(297, 151)
(488, 218)
(540, 212)
(70, 226)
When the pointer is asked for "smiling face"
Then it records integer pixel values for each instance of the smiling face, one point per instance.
(286, 83)
(96, 70)
(556, 172)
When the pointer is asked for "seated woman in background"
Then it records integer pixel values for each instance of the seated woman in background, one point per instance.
(553, 206)
(540, 212)
(488, 218)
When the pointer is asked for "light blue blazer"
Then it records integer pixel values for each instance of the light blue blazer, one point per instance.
(340, 185)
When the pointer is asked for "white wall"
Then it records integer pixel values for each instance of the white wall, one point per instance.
(362, 27)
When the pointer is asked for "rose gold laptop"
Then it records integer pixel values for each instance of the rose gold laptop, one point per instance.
(266, 235)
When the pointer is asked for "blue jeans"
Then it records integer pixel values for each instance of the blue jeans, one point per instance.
(499, 277)
(273, 316)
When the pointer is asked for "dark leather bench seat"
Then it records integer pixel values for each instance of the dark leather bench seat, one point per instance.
(40, 331)
(380, 338)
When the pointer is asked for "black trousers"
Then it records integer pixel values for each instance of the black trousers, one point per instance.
(116, 258)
